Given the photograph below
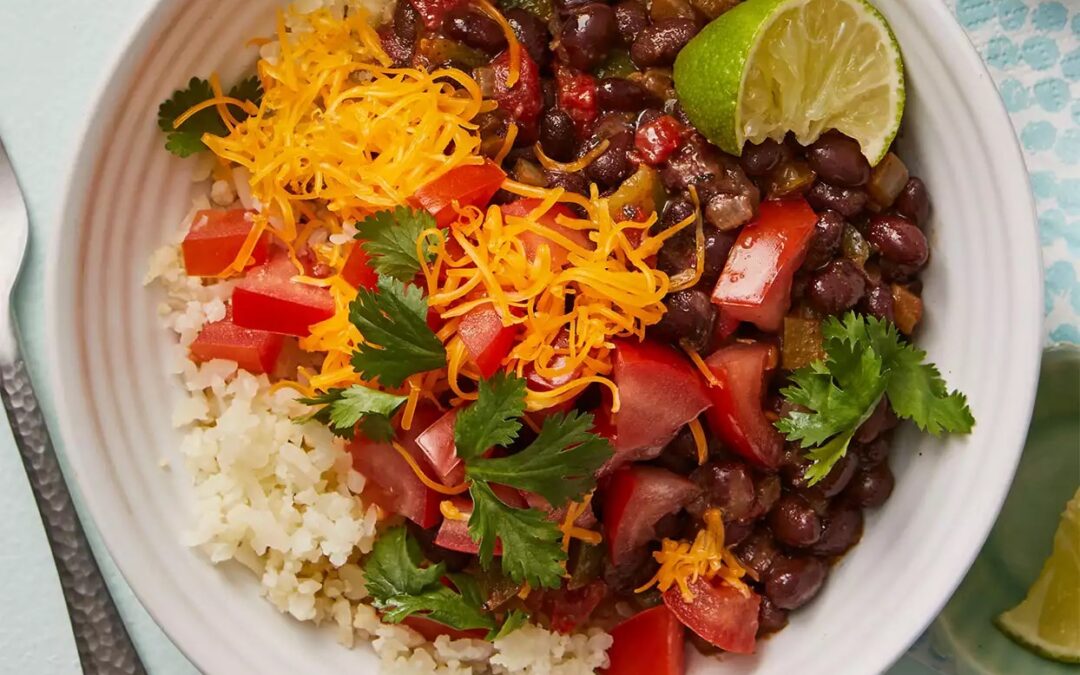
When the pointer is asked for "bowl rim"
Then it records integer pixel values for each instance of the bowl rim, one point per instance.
(121, 70)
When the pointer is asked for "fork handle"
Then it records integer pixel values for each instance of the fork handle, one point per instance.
(100, 636)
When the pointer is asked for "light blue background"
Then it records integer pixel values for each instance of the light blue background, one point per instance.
(55, 53)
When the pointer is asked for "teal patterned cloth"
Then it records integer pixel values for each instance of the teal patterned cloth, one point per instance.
(1032, 48)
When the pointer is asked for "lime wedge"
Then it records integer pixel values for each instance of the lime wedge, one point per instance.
(768, 67)
(1047, 622)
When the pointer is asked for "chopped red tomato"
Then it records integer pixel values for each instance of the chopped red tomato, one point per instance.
(454, 534)
(736, 415)
(437, 444)
(532, 241)
(431, 629)
(524, 101)
(357, 270)
(469, 185)
(635, 498)
(575, 92)
(659, 392)
(755, 285)
(569, 609)
(719, 613)
(586, 520)
(432, 12)
(724, 326)
(485, 337)
(255, 351)
(392, 483)
(215, 239)
(648, 643)
(396, 47)
(268, 299)
(658, 138)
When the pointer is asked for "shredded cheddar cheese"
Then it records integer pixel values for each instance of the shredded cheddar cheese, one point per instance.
(434, 485)
(570, 167)
(699, 362)
(700, 443)
(513, 47)
(705, 558)
(450, 511)
(570, 530)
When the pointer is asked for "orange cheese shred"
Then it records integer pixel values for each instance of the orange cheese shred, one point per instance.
(699, 362)
(571, 167)
(700, 442)
(513, 46)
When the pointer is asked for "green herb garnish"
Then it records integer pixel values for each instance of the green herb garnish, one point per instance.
(391, 237)
(343, 409)
(187, 139)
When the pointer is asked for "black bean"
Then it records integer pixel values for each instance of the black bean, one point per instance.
(849, 202)
(879, 302)
(828, 233)
(614, 165)
(680, 456)
(871, 486)
(881, 420)
(842, 529)
(689, 316)
(728, 486)
(675, 211)
(766, 493)
(758, 551)
(631, 18)
(673, 526)
(837, 287)
(717, 246)
(793, 466)
(564, 7)
(913, 202)
(762, 158)
(793, 582)
(405, 21)
(838, 477)
(617, 93)
(558, 135)
(587, 35)
(474, 29)
(794, 522)
(838, 160)
(659, 44)
(571, 182)
(531, 32)
(632, 573)
(737, 532)
(770, 618)
(873, 453)
(898, 240)
(897, 272)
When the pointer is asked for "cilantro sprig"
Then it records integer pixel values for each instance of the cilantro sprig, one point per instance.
(187, 139)
(400, 587)
(866, 359)
(343, 409)
(391, 237)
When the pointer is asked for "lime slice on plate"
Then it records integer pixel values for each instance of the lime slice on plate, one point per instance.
(1048, 620)
(768, 67)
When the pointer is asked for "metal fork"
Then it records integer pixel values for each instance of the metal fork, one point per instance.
(100, 636)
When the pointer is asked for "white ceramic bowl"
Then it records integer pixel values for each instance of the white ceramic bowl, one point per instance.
(108, 354)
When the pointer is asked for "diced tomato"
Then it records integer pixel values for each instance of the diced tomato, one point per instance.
(357, 270)
(587, 519)
(255, 351)
(755, 285)
(437, 444)
(524, 101)
(469, 185)
(659, 392)
(648, 643)
(392, 483)
(575, 92)
(724, 326)
(215, 239)
(719, 613)
(569, 609)
(736, 415)
(434, 320)
(658, 138)
(635, 498)
(454, 534)
(485, 337)
(268, 299)
(432, 12)
(396, 47)
(431, 629)
(532, 241)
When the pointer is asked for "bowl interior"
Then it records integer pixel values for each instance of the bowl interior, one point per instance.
(115, 396)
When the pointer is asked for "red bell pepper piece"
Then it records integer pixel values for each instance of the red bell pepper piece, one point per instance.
(437, 444)
(524, 101)
(736, 415)
(215, 239)
(255, 351)
(392, 483)
(575, 92)
(755, 285)
(268, 299)
(357, 270)
(648, 643)
(658, 138)
(635, 498)
(659, 392)
(468, 185)
(486, 339)
(719, 613)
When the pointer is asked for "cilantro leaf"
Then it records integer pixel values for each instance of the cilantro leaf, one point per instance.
(187, 139)
(559, 465)
(917, 392)
(343, 409)
(390, 238)
(514, 620)
(493, 419)
(531, 544)
(397, 340)
(400, 587)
